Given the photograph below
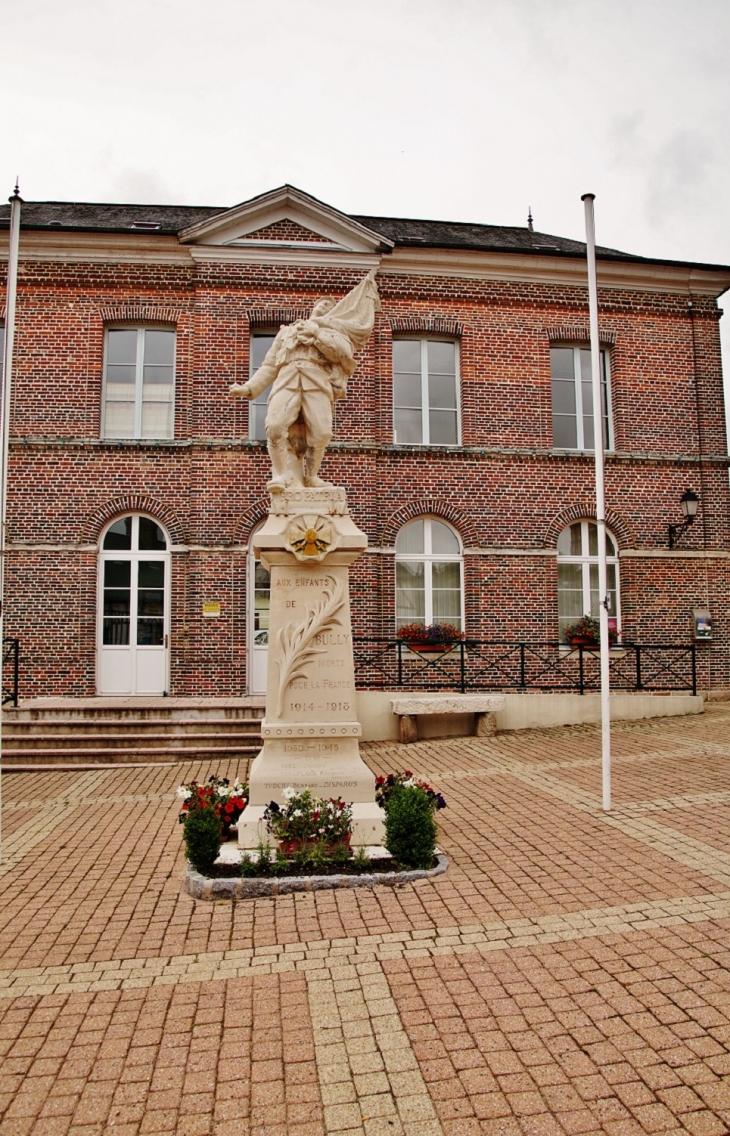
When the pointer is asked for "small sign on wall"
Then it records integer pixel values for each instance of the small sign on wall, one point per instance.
(702, 623)
(212, 609)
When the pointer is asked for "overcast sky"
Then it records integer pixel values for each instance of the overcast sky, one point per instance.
(467, 110)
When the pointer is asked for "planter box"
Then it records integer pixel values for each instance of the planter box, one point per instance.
(206, 887)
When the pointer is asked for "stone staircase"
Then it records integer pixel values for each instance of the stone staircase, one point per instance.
(83, 732)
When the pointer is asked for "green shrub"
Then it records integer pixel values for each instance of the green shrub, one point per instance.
(248, 866)
(316, 857)
(340, 855)
(410, 830)
(261, 864)
(202, 833)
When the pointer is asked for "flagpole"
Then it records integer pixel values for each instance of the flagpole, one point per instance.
(5, 396)
(598, 448)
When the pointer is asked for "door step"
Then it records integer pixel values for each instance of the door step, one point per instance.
(108, 732)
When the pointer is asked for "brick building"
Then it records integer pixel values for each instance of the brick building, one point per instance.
(464, 443)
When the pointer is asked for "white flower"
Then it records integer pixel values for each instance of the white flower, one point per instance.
(184, 793)
(289, 793)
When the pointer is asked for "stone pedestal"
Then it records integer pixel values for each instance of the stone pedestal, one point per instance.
(310, 731)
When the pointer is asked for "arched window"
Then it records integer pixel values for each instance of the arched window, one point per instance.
(578, 575)
(428, 574)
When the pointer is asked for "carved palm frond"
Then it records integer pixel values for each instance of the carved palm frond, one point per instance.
(296, 644)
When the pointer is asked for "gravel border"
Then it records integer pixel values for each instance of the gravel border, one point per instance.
(204, 887)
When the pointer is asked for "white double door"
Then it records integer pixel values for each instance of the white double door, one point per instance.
(133, 633)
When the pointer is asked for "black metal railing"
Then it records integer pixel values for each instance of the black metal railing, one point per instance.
(500, 665)
(11, 654)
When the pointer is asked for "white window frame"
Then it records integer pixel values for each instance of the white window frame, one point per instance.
(138, 380)
(586, 560)
(263, 398)
(425, 425)
(428, 558)
(576, 348)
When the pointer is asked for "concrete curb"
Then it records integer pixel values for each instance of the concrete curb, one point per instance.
(203, 887)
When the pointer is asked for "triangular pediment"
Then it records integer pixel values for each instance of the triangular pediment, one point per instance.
(288, 218)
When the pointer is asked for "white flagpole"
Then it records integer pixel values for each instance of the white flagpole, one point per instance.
(598, 447)
(5, 395)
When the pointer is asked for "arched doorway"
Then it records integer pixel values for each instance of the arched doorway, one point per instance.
(133, 608)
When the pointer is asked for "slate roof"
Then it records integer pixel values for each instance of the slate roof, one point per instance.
(168, 220)
(461, 235)
(81, 216)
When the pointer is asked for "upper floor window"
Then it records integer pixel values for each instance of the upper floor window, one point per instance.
(578, 575)
(425, 392)
(428, 574)
(139, 383)
(260, 344)
(572, 390)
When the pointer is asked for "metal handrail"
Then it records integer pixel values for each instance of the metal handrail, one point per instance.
(11, 654)
(502, 664)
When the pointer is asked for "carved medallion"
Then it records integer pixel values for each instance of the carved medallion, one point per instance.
(309, 537)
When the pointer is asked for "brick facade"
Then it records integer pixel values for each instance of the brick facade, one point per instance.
(505, 489)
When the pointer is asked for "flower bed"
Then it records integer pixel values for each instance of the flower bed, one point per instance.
(307, 821)
(587, 633)
(206, 887)
(217, 793)
(436, 637)
(385, 787)
(312, 834)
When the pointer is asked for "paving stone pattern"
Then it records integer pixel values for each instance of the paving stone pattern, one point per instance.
(568, 974)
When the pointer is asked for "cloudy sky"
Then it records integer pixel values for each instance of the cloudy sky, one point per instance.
(465, 110)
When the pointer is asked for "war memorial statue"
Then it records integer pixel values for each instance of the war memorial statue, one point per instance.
(307, 367)
(310, 730)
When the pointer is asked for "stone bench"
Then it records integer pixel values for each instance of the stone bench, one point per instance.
(483, 706)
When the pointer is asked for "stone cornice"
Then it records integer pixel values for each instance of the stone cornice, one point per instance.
(137, 248)
(235, 548)
(98, 248)
(443, 453)
(551, 270)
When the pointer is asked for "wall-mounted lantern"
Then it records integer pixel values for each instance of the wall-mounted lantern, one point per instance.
(688, 503)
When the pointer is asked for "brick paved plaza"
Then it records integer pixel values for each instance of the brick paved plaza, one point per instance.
(568, 974)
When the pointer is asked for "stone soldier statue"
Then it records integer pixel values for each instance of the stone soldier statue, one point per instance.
(308, 366)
